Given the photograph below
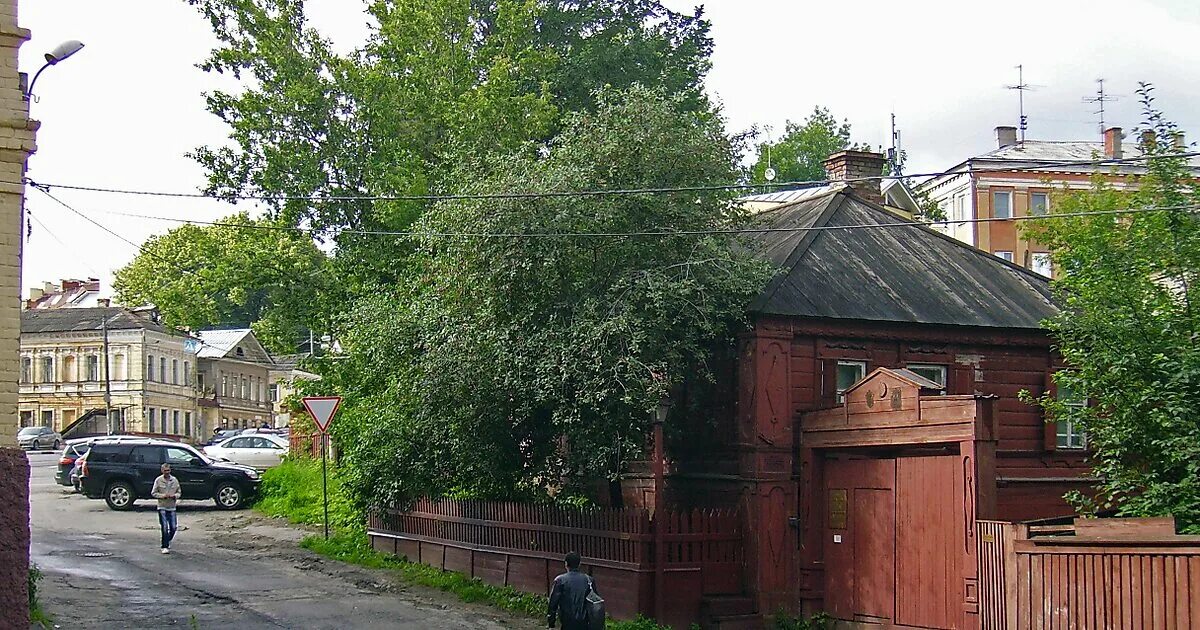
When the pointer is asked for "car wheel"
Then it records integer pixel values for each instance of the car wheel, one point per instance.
(119, 495)
(228, 496)
(37, 446)
(57, 445)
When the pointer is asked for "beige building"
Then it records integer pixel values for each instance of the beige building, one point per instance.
(234, 379)
(63, 376)
(285, 374)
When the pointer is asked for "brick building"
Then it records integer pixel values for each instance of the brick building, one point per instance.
(16, 144)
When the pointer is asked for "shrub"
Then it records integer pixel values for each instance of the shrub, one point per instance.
(293, 490)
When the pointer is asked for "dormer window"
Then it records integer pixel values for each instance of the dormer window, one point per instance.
(240, 352)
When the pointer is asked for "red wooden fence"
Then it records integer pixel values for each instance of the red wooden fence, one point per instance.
(523, 545)
(1095, 573)
(308, 445)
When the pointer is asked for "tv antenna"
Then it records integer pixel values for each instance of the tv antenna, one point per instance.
(1021, 87)
(768, 174)
(1100, 99)
(894, 152)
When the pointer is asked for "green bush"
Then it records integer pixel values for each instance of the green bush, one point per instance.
(36, 614)
(293, 490)
(819, 621)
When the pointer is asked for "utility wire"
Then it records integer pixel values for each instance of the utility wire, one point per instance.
(608, 192)
(54, 236)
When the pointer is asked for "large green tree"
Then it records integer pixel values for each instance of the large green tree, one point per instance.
(239, 272)
(528, 352)
(800, 154)
(1129, 330)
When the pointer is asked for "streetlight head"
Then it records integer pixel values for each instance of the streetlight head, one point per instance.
(663, 409)
(63, 50)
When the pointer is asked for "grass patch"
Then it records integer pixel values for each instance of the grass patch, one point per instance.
(293, 490)
(36, 614)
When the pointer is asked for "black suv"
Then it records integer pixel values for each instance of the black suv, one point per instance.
(122, 471)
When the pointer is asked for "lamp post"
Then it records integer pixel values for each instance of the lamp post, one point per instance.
(108, 419)
(660, 551)
(60, 53)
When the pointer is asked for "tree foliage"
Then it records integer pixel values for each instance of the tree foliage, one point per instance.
(239, 272)
(1128, 330)
(800, 154)
(522, 364)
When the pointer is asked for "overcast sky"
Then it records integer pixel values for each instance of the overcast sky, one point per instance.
(124, 111)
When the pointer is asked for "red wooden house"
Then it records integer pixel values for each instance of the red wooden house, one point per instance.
(861, 288)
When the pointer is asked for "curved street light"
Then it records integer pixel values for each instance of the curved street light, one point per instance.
(60, 53)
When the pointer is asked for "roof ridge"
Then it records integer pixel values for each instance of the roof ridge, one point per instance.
(802, 247)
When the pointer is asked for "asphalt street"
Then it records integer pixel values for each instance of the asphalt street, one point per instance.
(103, 569)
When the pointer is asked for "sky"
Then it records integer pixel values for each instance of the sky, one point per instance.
(124, 111)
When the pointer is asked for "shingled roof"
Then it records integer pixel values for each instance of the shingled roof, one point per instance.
(907, 274)
(84, 319)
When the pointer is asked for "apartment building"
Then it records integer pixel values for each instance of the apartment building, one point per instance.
(235, 374)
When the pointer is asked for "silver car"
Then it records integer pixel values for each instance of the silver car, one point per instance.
(38, 438)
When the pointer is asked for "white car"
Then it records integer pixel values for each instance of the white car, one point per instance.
(259, 451)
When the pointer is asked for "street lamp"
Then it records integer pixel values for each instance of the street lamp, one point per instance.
(660, 554)
(60, 53)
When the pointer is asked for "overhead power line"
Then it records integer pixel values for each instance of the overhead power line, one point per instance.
(606, 192)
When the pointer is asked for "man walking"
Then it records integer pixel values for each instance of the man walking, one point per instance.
(166, 490)
(568, 596)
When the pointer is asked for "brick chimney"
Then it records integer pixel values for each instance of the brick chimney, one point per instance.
(1112, 143)
(1148, 140)
(103, 302)
(1180, 141)
(845, 165)
(1005, 137)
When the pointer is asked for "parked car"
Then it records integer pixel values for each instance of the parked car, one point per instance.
(37, 438)
(221, 435)
(260, 450)
(123, 471)
(68, 461)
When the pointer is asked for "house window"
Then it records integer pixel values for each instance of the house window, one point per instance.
(935, 373)
(1002, 204)
(960, 212)
(47, 369)
(118, 367)
(187, 373)
(273, 392)
(1005, 255)
(150, 369)
(1039, 204)
(240, 352)
(245, 389)
(93, 368)
(26, 371)
(175, 422)
(187, 421)
(1069, 435)
(26, 419)
(151, 416)
(162, 369)
(224, 385)
(1042, 265)
(174, 371)
(47, 417)
(162, 415)
(849, 373)
(68, 369)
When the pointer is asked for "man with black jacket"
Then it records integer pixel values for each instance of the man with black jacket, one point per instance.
(568, 596)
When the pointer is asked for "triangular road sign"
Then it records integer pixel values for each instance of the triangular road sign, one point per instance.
(322, 409)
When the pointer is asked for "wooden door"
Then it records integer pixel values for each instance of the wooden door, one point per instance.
(930, 534)
(859, 539)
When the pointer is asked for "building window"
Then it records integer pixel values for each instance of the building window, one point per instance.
(162, 415)
(175, 422)
(162, 369)
(47, 369)
(93, 368)
(118, 367)
(224, 385)
(26, 419)
(1070, 435)
(187, 421)
(240, 352)
(935, 373)
(174, 371)
(68, 369)
(47, 417)
(848, 373)
(26, 371)
(1042, 264)
(149, 369)
(1002, 204)
(187, 373)
(273, 392)
(960, 210)
(1005, 255)
(151, 416)
(245, 389)
(1039, 204)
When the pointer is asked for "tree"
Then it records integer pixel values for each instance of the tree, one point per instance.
(1126, 280)
(800, 154)
(523, 363)
(438, 82)
(240, 272)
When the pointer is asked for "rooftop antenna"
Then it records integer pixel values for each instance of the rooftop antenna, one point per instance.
(894, 152)
(768, 174)
(1021, 87)
(1100, 99)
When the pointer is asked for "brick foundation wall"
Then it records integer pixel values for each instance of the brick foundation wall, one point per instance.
(14, 542)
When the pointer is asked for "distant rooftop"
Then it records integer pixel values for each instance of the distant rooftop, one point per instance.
(68, 293)
(50, 320)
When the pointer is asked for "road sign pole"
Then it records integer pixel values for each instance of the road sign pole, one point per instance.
(325, 481)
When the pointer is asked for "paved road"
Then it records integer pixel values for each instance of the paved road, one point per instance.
(226, 570)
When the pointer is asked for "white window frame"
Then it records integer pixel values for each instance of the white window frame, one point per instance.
(841, 391)
(1067, 436)
(1008, 214)
(1033, 207)
(1006, 255)
(1040, 263)
(942, 369)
